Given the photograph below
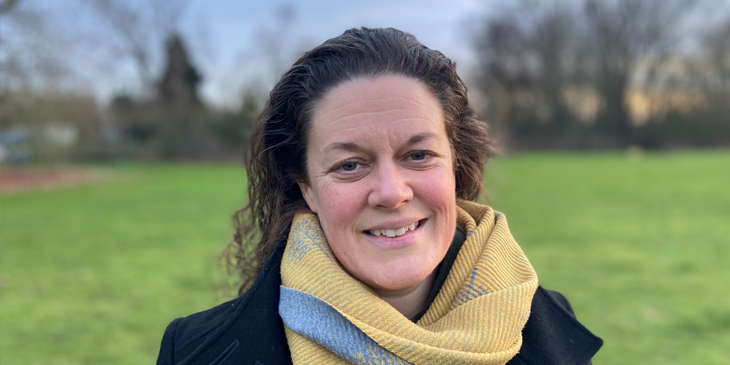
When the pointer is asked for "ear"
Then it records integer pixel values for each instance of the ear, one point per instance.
(309, 196)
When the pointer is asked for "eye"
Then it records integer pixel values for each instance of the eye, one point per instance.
(349, 166)
(416, 156)
(349, 170)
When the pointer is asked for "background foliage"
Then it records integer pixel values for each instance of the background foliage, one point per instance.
(547, 74)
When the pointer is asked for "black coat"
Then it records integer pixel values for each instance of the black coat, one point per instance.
(248, 330)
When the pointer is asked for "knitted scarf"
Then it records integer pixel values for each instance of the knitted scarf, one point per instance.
(476, 318)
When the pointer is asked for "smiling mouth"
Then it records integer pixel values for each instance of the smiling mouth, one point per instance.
(394, 232)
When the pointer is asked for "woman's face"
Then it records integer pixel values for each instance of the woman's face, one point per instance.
(381, 179)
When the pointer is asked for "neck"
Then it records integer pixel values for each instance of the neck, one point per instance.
(409, 301)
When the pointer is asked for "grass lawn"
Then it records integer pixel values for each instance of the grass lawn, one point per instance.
(92, 274)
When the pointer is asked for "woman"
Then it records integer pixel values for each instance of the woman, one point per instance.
(362, 171)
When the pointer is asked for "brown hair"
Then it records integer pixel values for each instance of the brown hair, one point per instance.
(275, 161)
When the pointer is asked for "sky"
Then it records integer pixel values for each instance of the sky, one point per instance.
(235, 43)
(235, 30)
(438, 24)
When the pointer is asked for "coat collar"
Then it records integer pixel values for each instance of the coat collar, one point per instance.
(253, 332)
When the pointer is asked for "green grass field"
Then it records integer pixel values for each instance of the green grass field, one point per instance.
(92, 274)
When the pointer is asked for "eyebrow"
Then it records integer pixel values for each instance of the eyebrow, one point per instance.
(420, 137)
(347, 146)
(352, 146)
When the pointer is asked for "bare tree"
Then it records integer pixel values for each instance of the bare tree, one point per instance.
(272, 49)
(528, 57)
(31, 48)
(628, 41)
(552, 58)
(6, 5)
(34, 70)
(716, 46)
(140, 30)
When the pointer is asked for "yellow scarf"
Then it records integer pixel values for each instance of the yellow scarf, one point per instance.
(477, 316)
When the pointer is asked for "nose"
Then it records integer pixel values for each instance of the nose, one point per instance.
(389, 189)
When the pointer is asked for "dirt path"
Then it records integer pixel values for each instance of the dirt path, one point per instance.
(15, 179)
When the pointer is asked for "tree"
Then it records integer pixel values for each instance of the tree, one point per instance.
(183, 118)
(233, 129)
(178, 87)
(38, 93)
(173, 124)
(628, 40)
(716, 49)
(32, 48)
(551, 59)
(137, 30)
(527, 56)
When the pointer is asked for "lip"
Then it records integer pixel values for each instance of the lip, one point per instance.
(396, 224)
(394, 243)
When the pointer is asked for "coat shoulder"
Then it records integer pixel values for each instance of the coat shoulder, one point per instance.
(553, 335)
(185, 334)
(239, 331)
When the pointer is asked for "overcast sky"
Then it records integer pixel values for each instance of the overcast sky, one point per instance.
(230, 41)
(235, 28)
(226, 38)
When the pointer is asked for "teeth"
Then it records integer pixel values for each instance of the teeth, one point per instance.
(394, 232)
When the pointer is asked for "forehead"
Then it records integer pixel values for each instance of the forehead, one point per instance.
(395, 103)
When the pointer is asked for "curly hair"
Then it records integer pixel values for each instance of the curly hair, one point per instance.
(275, 159)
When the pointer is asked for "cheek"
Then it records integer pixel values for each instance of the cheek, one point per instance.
(438, 192)
(338, 205)
(340, 212)
(440, 188)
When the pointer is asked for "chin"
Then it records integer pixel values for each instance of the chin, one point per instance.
(398, 281)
